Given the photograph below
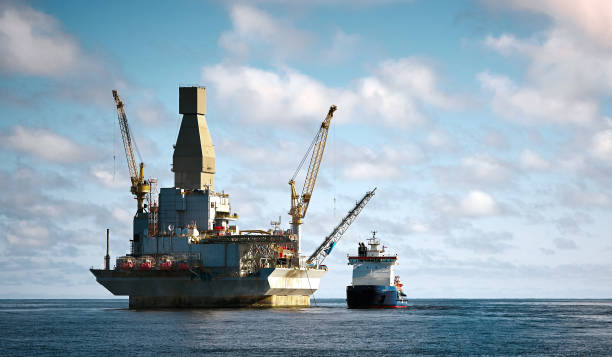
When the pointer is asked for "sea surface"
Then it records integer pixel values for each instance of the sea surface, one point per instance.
(426, 327)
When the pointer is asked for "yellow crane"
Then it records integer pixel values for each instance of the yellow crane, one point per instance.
(140, 188)
(299, 203)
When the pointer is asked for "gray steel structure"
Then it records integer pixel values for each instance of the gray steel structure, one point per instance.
(197, 258)
(194, 155)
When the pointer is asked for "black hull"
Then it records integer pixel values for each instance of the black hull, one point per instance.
(372, 297)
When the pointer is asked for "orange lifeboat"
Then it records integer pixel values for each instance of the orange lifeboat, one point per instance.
(165, 263)
(146, 263)
(125, 263)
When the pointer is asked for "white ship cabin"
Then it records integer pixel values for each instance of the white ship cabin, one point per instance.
(371, 266)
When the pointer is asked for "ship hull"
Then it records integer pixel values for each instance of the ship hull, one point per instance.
(373, 296)
(271, 287)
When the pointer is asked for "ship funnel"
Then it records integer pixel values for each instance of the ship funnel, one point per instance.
(194, 155)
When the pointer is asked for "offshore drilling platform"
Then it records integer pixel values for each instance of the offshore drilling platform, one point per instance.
(188, 251)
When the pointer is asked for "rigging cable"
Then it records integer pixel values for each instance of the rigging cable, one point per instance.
(310, 287)
(114, 150)
(305, 157)
(334, 166)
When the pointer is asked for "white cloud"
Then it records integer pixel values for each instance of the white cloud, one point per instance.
(478, 203)
(418, 227)
(122, 215)
(33, 43)
(601, 145)
(475, 203)
(255, 31)
(369, 170)
(353, 162)
(533, 105)
(569, 65)
(495, 139)
(342, 46)
(273, 162)
(109, 177)
(592, 17)
(484, 168)
(393, 94)
(440, 138)
(532, 161)
(44, 144)
(573, 197)
(563, 64)
(45, 209)
(364, 163)
(571, 224)
(259, 34)
(415, 78)
(151, 111)
(481, 242)
(265, 96)
(476, 171)
(564, 243)
(25, 234)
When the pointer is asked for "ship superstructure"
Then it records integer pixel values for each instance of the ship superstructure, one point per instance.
(188, 251)
(374, 283)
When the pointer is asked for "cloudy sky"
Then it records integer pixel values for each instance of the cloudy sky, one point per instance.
(487, 129)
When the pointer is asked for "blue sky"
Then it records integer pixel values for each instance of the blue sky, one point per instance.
(485, 126)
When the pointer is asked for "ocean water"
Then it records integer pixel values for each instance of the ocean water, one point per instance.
(426, 327)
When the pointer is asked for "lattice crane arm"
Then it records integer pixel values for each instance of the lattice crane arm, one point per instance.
(325, 248)
(140, 188)
(299, 203)
(126, 136)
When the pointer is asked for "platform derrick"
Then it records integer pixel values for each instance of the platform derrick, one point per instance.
(299, 203)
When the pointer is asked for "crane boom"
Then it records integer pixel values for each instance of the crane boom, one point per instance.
(299, 203)
(315, 159)
(328, 244)
(126, 136)
(140, 188)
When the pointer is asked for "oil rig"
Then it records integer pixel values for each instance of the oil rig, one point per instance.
(187, 249)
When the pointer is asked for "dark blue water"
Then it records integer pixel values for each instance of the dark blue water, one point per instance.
(426, 327)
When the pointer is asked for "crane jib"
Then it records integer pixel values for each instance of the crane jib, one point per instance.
(330, 241)
(299, 204)
(140, 188)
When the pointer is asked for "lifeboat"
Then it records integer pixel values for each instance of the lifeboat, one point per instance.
(183, 266)
(125, 263)
(165, 263)
(146, 263)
